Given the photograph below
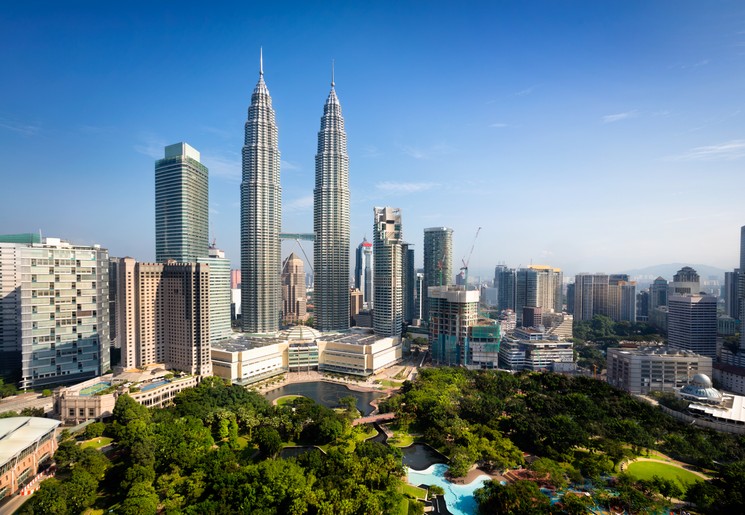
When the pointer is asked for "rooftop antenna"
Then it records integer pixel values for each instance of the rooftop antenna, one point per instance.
(332, 73)
(261, 61)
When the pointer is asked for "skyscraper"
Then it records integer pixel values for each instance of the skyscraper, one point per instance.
(293, 290)
(685, 282)
(504, 282)
(692, 323)
(331, 221)
(219, 294)
(409, 282)
(363, 271)
(388, 256)
(658, 293)
(261, 217)
(438, 261)
(181, 205)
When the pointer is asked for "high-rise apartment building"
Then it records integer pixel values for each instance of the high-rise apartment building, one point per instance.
(731, 293)
(220, 296)
(538, 286)
(164, 315)
(453, 310)
(293, 290)
(621, 299)
(181, 205)
(409, 282)
(692, 323)
(331, 221)
(438, 261)
(590, 296)
(54, 321)
(363, 271)
(261, 217)
(388, 315)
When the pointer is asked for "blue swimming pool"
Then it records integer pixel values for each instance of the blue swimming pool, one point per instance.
(153, 385)
(459, 498)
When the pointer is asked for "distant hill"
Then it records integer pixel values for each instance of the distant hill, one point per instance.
(667, 271)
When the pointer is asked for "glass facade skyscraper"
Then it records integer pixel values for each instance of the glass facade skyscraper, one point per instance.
(181, 205)
(331, 221)
(261, 217)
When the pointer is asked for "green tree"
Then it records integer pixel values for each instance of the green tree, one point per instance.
(141, 500)
(49, 499)
(518, 498)
(94, 430)
(268, 440)
(80, 490)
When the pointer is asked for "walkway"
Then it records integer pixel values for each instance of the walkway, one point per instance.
(383, 417)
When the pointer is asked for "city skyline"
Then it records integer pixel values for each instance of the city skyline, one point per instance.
(494, 107)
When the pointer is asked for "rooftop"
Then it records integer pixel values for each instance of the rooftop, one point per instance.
(18, 433)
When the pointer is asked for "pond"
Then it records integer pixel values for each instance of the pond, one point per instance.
(327, 394)
(458, 498)
(420, 456)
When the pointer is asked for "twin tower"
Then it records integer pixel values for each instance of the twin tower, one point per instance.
(261, 218)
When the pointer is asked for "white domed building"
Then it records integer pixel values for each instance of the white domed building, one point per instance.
(711, 408)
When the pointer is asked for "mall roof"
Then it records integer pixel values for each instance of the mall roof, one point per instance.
(18, 433)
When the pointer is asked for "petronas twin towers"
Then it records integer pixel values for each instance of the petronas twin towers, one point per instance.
(261, 216)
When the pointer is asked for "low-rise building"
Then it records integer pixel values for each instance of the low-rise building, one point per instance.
(26, 447)
(654, 369)
(729, 377)
(532, 349)
(95, 399)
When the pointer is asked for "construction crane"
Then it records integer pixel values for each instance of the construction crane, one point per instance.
(467, 260)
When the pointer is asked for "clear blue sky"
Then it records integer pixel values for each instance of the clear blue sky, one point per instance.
(591, 136)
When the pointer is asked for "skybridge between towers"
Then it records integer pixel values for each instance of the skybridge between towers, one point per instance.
(297, 236)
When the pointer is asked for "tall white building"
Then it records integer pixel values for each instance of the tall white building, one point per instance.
(181, 205)
(363, 272)
(331, 221)
(388, 315)
(60, 294)
(261, 217)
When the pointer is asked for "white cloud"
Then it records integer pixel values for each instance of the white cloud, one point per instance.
(611, 118)
(224, 167)
(290, 166)
(405, 187)
(498, 125)
(21, 128)
(299, 204)
(726, 151)
(151, 146)
(526, 91)
(370, 151)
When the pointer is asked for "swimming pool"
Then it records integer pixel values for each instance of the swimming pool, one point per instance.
(459, 498)
(153, 385)
(93, 389)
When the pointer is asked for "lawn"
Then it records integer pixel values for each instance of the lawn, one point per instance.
(390, 384)
(414, 491)
(97, 443)
(647, 469)
(400, 438)
(287, 399)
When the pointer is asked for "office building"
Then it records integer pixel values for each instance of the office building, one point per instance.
(570, 298)
(261, 217)
(533, 349)
(388, 315)
(438, 261)
(293, 290)
(408, 282)
(504, 282)
(331, 221)
(685, 282)
(621, 299)
(692, 323)
(538, 286)
(164, 315)
(235, 279)
(181, 205)
(219, 294)
(590, 296)
(355, 302)
(731, 293)
(658, 293)
(419, 295)
(363, 271)
(654, 369)
(59, 296)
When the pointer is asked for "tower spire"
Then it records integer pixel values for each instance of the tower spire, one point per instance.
(332, 73)
(261, 61)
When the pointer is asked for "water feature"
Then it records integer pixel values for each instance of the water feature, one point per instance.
(420, 456)
(327, 394)
(458, 498)
(151, 386)
(294, 452)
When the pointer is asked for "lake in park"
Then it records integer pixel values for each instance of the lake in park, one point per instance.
(327, 394)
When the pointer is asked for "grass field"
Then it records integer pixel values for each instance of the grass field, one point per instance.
(97, 443)
(414, 491)
(647, 469)
(390, 384)
(287, 399)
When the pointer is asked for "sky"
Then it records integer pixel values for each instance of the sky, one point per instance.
(589, 136)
